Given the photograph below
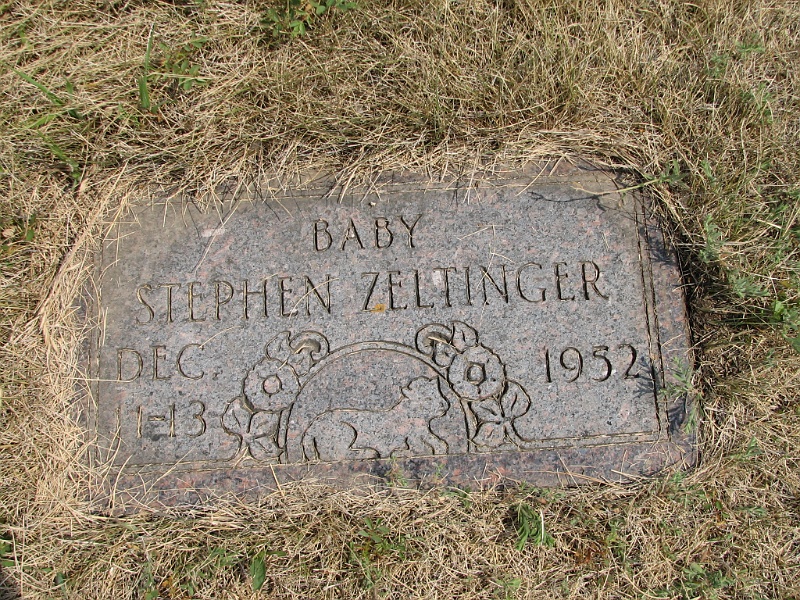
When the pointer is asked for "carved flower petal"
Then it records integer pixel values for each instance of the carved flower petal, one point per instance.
(301, 362)
(278, 347)
(254, 380)
(488, 411)
(236, 418)
(286, 387)
(515, 401)
(307, 348)
(443, 353)
(464, 336)
(490, 434)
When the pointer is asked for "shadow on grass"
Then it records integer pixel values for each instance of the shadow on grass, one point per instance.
(9, 590)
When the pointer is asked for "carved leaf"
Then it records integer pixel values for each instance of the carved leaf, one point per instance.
(488, 411)
(264, 424)
(264, 449)
(264, 430)
(464, 336)
(490, 434)
(515, 402)
(279, 347)
(236, 418)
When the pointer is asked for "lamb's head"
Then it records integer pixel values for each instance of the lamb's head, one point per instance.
(424, 398)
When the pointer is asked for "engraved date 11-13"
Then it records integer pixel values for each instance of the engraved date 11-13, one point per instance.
(171, 422)
(597, 364)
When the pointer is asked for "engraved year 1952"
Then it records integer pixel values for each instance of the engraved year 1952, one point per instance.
(598, 363)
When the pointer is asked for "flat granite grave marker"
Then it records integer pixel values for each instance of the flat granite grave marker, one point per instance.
(421, 332)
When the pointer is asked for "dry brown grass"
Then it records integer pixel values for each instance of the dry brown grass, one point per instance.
(710, 90)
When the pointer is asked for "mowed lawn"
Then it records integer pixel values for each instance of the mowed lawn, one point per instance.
(698, 104)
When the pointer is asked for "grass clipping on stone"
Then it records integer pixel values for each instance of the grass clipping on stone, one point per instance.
(699, 103)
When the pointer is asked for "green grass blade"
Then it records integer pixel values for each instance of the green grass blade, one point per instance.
(258, 572)
(50, 95)
(148, 50)
(144, 93)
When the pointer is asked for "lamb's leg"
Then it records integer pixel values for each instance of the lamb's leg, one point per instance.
(310, 449)
(435, 443)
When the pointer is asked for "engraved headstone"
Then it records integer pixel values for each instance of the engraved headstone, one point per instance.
(417, 331)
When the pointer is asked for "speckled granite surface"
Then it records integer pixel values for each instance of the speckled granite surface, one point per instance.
(425, 333)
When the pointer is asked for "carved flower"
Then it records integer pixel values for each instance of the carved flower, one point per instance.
(476, 373)
(496, 417)
(271, 385)
(257, 429)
